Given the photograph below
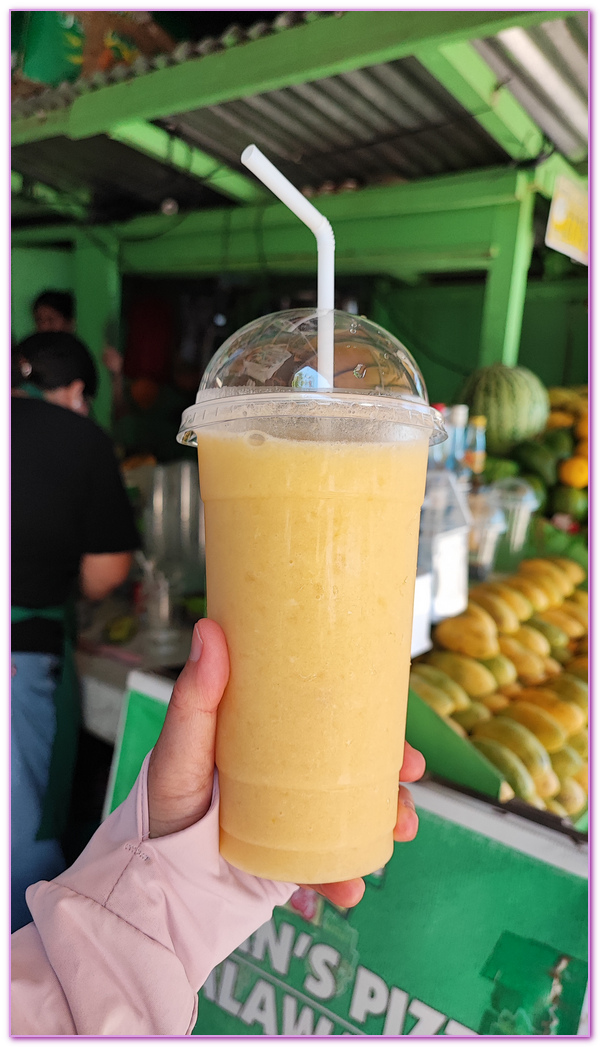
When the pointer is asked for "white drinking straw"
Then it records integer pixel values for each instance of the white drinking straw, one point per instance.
(319, 225)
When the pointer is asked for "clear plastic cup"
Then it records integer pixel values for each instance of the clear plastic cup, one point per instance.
(312, 500)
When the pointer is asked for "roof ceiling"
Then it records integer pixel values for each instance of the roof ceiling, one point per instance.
(386, 122)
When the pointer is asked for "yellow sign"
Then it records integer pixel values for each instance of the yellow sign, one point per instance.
(567, 229)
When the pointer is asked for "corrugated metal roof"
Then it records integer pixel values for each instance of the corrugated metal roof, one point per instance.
(48, 98)
(546, 69)
(122, 181)
(386, 121)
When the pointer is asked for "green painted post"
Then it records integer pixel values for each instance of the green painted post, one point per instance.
(98, 300)
(507, 282)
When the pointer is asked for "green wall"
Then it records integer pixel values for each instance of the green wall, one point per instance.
(35, 269)
(441, 326)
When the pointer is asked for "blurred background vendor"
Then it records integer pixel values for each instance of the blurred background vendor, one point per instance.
(72, 529)
(54, 311)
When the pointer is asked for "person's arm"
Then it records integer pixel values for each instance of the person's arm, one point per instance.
(123, 940)
(100, 573)
(113, 361)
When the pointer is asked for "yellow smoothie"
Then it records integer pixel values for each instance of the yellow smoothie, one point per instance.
(311, 551)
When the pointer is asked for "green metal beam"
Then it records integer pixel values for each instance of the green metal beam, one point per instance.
(547, 172)
(154, 142)
(249, 239)
(45, 124)
(323, 48)
(43, 234)
(445, 193)
(506, 284)
(73, 204)
(465, 74)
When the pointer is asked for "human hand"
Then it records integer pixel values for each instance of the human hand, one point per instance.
(112, 360)
(181, 768)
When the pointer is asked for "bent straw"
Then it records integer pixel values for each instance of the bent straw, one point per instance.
(257, 162)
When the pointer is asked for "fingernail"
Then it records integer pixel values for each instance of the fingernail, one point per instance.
(408, 803)
(197, 645)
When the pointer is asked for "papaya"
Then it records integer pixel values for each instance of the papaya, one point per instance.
(582, 776)
(533, 640)
(556, 616)
(476, 713)
(518, 739)
(559, 420)
(579, 742)
(534, 593)
(561, 655)
(511, 690)
(546, 729)
(568, 715)
(445, 683)
(502, 669)
(505, 618)
(529, 666)
(566, 762)
(509, 765)
(575, 610)
(552, 668)
(473, 677)
(546, 582)
(571, 689)
(581, 597)
(571, 796)
(571, 567)
(537, 564)
(484, 617)
(556, 808)
(578, 667)
(555, 636)
(522, 607)
(437, 700)
(495, 702)
(465, 634)
(547, 784)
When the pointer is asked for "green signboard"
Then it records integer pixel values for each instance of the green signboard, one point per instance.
(460, 934)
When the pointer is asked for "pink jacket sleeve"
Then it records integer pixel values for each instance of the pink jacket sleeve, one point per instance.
(122, 941)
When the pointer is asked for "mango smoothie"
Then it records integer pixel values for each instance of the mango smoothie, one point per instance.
(311, 551)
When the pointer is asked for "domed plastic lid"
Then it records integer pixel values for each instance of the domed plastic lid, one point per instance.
(272, 365)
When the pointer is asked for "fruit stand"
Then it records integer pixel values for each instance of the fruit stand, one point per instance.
(479, 926)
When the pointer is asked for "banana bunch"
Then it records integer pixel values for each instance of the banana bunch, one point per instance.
(511, 674)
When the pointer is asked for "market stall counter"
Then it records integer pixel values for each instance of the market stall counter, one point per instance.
(477, 927)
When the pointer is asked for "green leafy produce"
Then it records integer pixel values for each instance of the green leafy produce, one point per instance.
(570, 500)
(499, 469)
(559, 442)
(534, 458)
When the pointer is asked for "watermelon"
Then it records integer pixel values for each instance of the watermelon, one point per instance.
(514, 401)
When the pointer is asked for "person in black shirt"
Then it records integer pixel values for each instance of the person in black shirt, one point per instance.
(71, 525)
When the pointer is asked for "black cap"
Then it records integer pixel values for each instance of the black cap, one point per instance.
(54, 359)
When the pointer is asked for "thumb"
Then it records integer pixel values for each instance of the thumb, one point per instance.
(181, 768)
